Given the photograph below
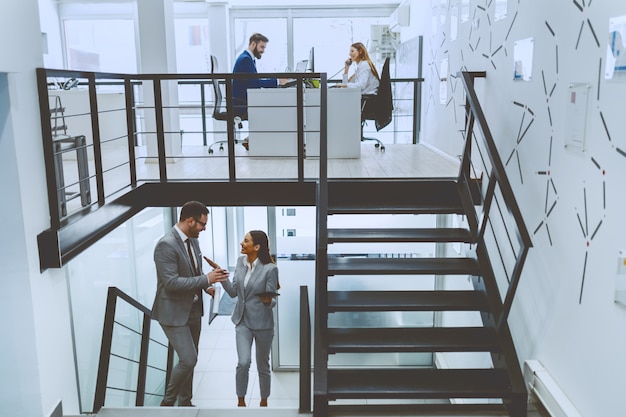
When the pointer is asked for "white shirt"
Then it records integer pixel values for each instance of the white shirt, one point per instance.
(363, 78)
(249, 270)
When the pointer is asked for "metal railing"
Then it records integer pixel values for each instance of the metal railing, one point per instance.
(126, 340)
(141, 97)
(499, 227)
(305, 351)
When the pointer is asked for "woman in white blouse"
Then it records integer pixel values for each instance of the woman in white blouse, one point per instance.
(365, 75)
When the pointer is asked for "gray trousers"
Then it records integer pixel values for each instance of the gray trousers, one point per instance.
(184, 340)
(263, 344)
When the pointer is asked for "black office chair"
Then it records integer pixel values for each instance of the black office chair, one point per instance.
(219, 109)
(378, 107)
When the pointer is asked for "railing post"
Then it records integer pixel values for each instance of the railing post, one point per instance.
(305, 351)
(160, 129)
(105, 350)
(131, 129)
(95, 134)
(143, 361)
(203, 111)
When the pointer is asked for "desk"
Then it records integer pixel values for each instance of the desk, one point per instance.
(273, 122)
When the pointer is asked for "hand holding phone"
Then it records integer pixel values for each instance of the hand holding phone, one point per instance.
(348, 62)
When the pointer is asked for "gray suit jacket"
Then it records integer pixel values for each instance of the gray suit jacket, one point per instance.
(177, 283)
(249, 308)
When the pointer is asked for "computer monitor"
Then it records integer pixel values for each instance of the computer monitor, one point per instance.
(311, 66)
(302, 66)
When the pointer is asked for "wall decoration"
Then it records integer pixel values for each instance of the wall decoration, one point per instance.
(549, 77)
(586, 22)
(454, 20)
(616, 49)
(465, 10)
(500, 11)
(443, 81)
(523, 59)
(528, 117)
(576, 115)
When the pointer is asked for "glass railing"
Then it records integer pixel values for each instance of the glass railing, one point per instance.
(133, 366)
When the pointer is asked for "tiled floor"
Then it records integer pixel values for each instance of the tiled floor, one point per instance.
(214, 378)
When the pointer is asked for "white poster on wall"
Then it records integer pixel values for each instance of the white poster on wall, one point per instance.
(523, 59)
(500, 10)
(454, 20)
(615, 49)
(576, 115)
(443, 81)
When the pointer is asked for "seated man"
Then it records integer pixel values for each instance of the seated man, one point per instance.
(246, 64)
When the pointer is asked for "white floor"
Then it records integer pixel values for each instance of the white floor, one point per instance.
(214, 377)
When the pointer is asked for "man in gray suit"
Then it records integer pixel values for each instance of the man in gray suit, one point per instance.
(178, 302)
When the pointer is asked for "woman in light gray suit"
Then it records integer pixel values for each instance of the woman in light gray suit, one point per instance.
(254, 283)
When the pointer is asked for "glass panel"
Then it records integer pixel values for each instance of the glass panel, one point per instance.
(123, 379)
(124, 259)
(157, 365)
(105, 45)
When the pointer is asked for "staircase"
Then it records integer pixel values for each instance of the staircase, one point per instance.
(407, 389)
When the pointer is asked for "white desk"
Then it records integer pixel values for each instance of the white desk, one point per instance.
(273, 122)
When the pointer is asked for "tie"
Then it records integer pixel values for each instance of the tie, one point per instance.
(193, 262)
(193, 265)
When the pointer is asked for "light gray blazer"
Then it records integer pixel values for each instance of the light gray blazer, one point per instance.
(249, 308)
(177, 283)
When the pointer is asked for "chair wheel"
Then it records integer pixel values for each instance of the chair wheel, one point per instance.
(377, 145)
(382, 148)
(210, 151)
(221, 147)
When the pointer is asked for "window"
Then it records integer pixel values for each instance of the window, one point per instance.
(192, 46)
(275, 57)
(333, 40)
(101, 45)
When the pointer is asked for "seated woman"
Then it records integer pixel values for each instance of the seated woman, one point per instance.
(365, 75)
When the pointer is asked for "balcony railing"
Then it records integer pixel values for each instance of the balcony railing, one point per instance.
(497, 222)
(104, 134)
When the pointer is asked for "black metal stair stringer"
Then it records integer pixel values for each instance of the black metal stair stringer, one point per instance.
(436, 389)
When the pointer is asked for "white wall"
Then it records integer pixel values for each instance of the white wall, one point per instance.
(36, 360)
(51, 26)
(580, 339)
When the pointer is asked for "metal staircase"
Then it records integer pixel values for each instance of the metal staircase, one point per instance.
(493, 223)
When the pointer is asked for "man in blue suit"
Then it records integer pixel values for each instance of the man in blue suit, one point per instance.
(246, 64)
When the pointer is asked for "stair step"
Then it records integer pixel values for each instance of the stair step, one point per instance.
(399, 235)
(402, 266)
(426, 339)
(440, 209)
(427, 383)
(406, 301)
(440, 409)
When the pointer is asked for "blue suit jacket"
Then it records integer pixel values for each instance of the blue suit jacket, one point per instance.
(245, 65)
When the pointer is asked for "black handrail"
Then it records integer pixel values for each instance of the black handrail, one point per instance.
(113, 295)
(305, 351)
(475, 118)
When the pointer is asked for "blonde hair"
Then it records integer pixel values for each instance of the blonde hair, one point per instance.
(364, 56)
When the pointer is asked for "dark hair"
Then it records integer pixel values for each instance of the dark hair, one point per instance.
(257, 37)
(193, 209)
(260, 238)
